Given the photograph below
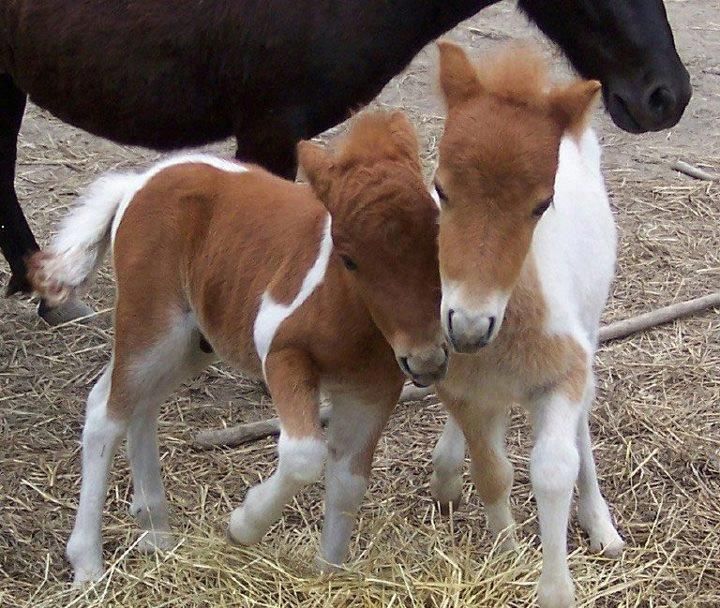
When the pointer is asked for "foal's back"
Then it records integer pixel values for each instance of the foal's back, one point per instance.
(199, 239)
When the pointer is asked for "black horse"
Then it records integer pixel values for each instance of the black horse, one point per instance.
(171, 74)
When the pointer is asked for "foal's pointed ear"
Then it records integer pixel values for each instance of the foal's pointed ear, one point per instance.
(458, 78)
(572, 105)
(405, 138)
(316, 164)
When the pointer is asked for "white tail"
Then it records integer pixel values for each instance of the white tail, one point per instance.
(77, 250)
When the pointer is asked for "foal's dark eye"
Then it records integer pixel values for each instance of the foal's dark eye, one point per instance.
(441, 193)
(542, 207)
(349, 263)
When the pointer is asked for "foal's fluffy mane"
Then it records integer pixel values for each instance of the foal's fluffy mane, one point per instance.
(518, 73)
(379, 136)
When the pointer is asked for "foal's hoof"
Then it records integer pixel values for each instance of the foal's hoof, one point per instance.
(240, 531)
(611, 545)
(325, 567)
(452, 506)
(447, 493)
(556, 592)
(508, 543)
(87, 576)
(67, 311)
(153, 542)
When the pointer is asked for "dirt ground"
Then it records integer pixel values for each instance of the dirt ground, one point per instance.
(656, 423)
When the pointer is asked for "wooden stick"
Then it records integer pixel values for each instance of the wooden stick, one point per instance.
(622, 329)
(233, 436)
(245, 433)
(693, 171)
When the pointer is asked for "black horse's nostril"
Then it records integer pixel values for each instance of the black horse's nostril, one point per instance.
(661, 101)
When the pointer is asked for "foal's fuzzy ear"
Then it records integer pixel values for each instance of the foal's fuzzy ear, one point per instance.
(316, 164)
(459, 80)
(404, 136)
(572, 105)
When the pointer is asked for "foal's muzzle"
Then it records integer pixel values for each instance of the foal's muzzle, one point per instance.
(425, 367)
(469, 331)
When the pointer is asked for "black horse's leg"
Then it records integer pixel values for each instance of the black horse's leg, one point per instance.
(16, 239)
(280, 158)
(273, 144)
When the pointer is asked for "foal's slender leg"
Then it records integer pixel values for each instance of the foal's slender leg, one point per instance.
(448, 460)
(16, 238)
(149, 505)
(101, 436)
(353, 433)
(292, 381)
(554, 467)
(126, 399)
(174, 356)
(484, 424)
(593, 512)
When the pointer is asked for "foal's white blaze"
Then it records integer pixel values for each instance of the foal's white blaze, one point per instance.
(133, 183)
(271, 313)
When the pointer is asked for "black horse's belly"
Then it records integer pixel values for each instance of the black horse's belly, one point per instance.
(149, 115)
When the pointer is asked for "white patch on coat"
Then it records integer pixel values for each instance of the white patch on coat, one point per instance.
(574, 244)
(271, 313)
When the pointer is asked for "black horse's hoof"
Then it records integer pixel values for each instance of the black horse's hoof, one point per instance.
(18, 284)
(67, 311)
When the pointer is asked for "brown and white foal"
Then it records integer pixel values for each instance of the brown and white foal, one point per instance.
(330, 288)
(524, 281)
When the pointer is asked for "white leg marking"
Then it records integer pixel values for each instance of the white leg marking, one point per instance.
(149, 505)
(271, 314)
(448, 460)
(101, 437)
(157, 373)
(353, 431)
(593, 512)
(300, 462)
(344, 492)
(554, 466)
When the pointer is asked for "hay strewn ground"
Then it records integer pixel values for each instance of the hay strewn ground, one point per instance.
(656, 423)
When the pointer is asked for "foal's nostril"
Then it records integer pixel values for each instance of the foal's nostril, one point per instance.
(405, 366)
(661, 101)
(491, 326)
(451, 312)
